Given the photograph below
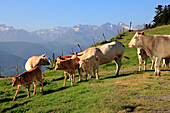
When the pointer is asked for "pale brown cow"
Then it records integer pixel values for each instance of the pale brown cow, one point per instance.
(156, 46)
(107, 53)
(68, 66)
(26, 78)
(90, 64)
(36, 61)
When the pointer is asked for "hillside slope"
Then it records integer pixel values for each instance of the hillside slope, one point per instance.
(131, 91)
(8, 63)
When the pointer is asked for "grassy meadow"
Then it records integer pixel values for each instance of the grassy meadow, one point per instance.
(131, 91)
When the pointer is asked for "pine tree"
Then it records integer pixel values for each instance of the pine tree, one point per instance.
(164, 16)
(157, 18)
(168, 14)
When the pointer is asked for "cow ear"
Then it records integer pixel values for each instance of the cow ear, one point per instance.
(76, 53)
(143, 33)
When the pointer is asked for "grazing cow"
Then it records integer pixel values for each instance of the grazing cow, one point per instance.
(26, 78)
(107, 53)
(69, 66)
(90, 64)
(156, 46)
(36, 61)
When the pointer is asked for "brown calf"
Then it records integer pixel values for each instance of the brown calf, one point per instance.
(69, 66)
(26, 78)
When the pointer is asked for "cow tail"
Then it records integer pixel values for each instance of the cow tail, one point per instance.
(126, 57)
(43, 75)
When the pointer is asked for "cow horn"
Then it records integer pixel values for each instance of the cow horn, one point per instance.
(76, 53)
(44, 54)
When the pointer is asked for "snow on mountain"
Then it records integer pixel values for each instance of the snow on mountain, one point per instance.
(77, 33)
(3, 27)
(10, 34)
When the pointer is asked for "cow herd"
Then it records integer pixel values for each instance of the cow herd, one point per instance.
(154, 46)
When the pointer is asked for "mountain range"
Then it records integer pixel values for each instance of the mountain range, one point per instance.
(20, 44)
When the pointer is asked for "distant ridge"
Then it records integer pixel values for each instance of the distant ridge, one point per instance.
(78, 33)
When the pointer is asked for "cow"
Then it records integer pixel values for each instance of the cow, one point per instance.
(26, 78)
(69, 66)
(62, 58)
(90, 64)
(156, 46)
(106, 53)
(143, 56)
(36, 61)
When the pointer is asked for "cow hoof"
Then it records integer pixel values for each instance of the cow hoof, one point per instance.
(156, 74)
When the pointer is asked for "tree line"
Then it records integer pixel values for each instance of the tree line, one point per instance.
(162, 17)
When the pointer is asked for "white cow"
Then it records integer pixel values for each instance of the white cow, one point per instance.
(36, 61)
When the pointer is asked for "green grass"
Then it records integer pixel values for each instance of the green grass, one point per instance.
(131, 91)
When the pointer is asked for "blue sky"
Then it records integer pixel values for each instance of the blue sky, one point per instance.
(40, 14)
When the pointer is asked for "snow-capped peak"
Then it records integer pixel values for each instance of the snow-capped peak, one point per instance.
(3, 27)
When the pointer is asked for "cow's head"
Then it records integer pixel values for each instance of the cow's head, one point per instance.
(59, 59)
(43, 60)
(83, 64)
(136, 40)
(16, 81)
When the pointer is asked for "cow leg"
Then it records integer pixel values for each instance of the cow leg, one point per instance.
(41, 80)
(65, 79)
(118, 64)
(66, 74)
(71, 79)
(145, 62)
(140, 63)
(167, 62)
(86, 74)
(74, 74)
(35, 87)
(95, 69)
(28, 89)
(157, 63)
(19, 87)
(164, 64)
(153, 63)
(80, 76)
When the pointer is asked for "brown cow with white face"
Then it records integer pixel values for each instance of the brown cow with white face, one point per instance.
(26, 78)
(36, 61)
(156, 47)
